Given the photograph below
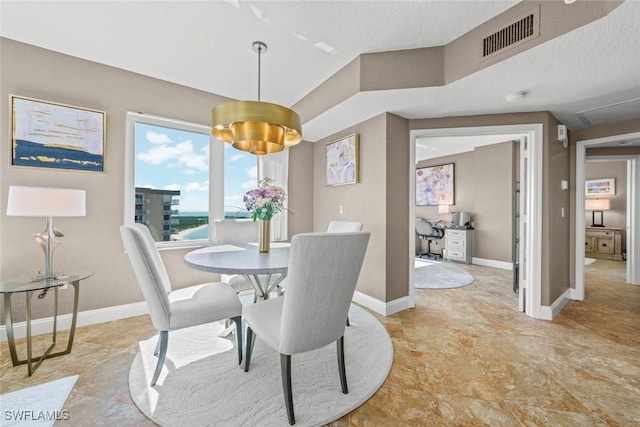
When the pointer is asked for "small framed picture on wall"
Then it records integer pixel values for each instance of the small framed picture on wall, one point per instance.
(342, 161)
(600, 187)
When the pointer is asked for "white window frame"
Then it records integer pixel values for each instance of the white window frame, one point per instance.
(216, 172)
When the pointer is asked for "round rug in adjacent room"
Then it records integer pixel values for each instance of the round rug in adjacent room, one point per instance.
(202, 384)
(438, 275)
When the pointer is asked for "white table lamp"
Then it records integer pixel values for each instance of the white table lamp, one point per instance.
(444, 209)
(597, 206)
(46, 202)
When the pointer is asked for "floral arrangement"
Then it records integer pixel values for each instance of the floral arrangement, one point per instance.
(265, 201)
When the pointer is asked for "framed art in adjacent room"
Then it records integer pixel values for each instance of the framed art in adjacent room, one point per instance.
(342, 161)
(600, 187)
(435, 185)
(51, 135)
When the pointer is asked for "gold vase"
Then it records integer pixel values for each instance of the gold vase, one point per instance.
(264, 235)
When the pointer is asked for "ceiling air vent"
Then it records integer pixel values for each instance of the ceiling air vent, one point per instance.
(524, 29)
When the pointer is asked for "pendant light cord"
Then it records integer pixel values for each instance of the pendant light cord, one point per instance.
(259, 55)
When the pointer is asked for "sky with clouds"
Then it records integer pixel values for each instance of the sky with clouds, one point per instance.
(173, 159)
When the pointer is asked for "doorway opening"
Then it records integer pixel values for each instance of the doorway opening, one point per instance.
(530, 200)
(632, 231)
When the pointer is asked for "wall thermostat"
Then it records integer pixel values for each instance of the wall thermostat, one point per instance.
(562, 135)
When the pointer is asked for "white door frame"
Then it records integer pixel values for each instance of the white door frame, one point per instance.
(633, 209)
(531, 205)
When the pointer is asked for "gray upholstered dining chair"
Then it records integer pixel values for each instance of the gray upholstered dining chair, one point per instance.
(334, 226)
(171, 310)
(343, 226)
(313, 311)
(337, 226)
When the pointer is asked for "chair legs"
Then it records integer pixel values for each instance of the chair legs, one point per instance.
(251, 339)
(238, 322)
(285, 373)
(161, 352)
(341, 368)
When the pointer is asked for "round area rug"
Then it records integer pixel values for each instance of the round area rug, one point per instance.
(434, 275)
(202, 384)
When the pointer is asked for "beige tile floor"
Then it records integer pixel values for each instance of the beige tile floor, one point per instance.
(463, 357)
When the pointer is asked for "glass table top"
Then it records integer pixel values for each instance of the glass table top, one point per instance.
(30, 282)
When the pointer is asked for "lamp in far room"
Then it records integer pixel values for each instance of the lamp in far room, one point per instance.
(597, 206)
(46, 202)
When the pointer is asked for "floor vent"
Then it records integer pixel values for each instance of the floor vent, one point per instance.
(524, 29)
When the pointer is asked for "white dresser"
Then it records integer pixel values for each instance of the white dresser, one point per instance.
(458, 245)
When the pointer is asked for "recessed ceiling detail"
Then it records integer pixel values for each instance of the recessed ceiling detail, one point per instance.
(616, 112)
(525, 28)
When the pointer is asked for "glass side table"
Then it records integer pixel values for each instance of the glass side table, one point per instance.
(29, 284)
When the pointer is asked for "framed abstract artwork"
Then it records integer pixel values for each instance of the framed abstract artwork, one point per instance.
(51, 135)
(342, 161)
(600, 187)
(435, 185)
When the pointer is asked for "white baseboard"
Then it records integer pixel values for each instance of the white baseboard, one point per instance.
(550, 312)
(574, 294)
(493, 263)
(89, 317)
(381, 307)
(101, 315)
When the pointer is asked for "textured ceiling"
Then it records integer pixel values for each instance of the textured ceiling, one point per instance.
(207, 45)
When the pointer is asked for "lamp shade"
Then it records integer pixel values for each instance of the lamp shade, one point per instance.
(444, 209)
(597, 204)
(46, 201)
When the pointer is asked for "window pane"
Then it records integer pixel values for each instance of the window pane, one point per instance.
(172, 182)
(240, 176)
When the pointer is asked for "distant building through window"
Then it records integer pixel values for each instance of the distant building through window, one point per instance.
(182, 179)
(155, 209)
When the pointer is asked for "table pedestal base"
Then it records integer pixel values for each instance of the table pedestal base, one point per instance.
(264, 289)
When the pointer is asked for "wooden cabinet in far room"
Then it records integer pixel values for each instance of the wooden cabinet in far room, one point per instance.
(603, 243)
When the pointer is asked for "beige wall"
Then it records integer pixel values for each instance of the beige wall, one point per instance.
(94, 241)
(555, 227)
(380, 200)
(397, 218)
(300, 193)
(492, 202)
(364, 201)
(484, 181)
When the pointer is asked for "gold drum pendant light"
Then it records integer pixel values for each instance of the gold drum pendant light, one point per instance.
(255, 126)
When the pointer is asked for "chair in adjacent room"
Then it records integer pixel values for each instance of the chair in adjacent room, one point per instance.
(171, 310)
(426, 231)
(344, 226)
(313, 311)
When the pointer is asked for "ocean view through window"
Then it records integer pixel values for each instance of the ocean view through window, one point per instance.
(173, 188)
